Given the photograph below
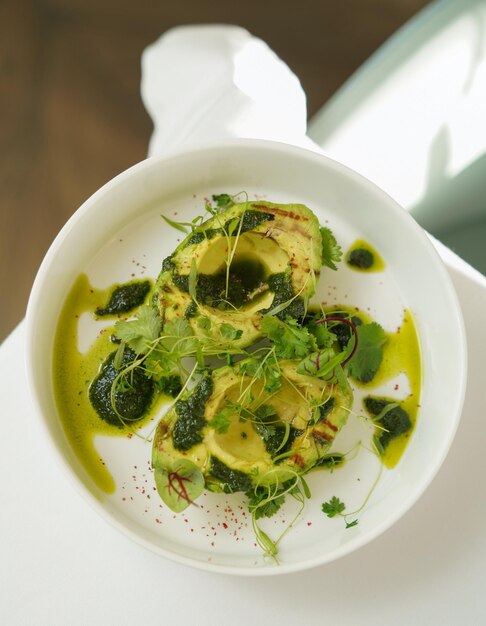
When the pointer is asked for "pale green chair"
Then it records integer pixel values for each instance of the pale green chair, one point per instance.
(413, 120)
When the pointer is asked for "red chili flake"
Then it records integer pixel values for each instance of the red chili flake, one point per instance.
(212, 543)
(395, 387)
(309, 523)
(158, 521)
(225, 525)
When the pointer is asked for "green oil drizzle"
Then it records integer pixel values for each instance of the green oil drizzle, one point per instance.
(401, 354)
(73, 372)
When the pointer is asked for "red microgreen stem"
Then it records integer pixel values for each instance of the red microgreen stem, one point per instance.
(181, 491)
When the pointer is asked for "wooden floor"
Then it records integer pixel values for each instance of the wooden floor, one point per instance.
(70, 111)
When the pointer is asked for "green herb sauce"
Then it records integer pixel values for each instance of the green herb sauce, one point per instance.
(401, 354)
(132, 397)
(250, 220)
(190, 416)
(73, 373)
(125, 298)
(233, 480)
(362, 257)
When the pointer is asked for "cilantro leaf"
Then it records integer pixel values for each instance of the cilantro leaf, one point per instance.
(204, 323)
(261, 505)
(140, 332)
(266, 370)
(223, 200)
(227, 331)
(331, 250)
(369, 353)
(291, 340)
(333, 507)
(324, 337)
(221, 421)
(178, 327)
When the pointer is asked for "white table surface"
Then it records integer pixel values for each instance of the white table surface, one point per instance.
(62, 564)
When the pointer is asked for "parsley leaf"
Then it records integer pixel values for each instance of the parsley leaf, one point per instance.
(369, 353)
(141, 332)
(333, 507)
(290, 339)
(331, 251)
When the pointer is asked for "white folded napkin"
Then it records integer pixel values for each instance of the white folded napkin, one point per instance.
(210, 82)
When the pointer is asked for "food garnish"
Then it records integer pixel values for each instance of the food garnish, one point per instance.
(260, 382)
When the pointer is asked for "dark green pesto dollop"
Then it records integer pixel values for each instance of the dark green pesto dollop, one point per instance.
(281, 285)
(132, 398)
(190, 416)
(236, 225)
(168, 264)
(125, 298)
(342, 331)
(326, 408)
(394, 422)
(170, 385)
(214, 290)
(231, 480)
(361, 258)
(276, 438)
(250, 221)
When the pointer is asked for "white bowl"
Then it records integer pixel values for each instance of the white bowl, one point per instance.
(120, 225)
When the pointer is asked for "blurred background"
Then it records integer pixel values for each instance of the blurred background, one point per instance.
(71, 113)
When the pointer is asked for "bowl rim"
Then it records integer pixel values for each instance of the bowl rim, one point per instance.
(217, 146)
